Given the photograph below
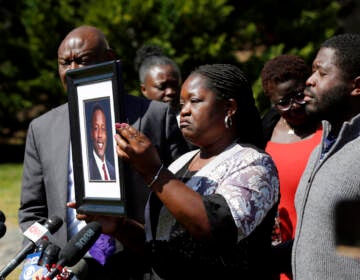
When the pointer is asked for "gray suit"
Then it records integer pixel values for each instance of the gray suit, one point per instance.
(45, 174)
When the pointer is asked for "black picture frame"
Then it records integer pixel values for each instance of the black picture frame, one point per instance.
(92, 89)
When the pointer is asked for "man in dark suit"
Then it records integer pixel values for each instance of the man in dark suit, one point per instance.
(100, 167)
(47, 183)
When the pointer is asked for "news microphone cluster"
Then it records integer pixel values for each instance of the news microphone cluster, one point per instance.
(74, 250)
(35, 233)
(39, 263)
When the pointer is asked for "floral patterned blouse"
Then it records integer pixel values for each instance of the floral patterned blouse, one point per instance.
(244, 176)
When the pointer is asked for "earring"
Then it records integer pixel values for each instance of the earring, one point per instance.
(228, 121)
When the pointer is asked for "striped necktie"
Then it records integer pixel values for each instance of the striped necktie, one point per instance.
(105, 173)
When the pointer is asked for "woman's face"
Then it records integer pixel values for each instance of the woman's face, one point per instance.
(202, 114)
(286, 93)
(162, 84)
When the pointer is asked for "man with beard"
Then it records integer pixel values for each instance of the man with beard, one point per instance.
(332, 173)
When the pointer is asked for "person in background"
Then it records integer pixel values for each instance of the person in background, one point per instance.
(159, 75)
(160, 78)
(47, 182)
(292, 135)
(211, 212)
(100, 168)
(332, 94)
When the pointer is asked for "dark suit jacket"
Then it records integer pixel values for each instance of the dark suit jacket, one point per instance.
(94, 170)
(269, 121)
(45, 172)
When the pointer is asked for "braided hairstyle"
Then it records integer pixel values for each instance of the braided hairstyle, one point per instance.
(228, 81)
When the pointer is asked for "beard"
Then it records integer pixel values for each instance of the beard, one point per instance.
(330, 106)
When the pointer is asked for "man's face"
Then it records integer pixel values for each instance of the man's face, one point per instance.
(327, 92)
(78, 50)
(98, 133)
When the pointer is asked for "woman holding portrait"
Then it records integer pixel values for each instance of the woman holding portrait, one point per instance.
(211, 212)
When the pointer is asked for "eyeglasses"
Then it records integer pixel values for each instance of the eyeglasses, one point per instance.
(286, 103)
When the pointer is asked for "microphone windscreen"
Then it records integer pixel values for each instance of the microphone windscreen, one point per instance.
(41, 245)
(2, 229)
(53, 224)
(50, 255)
(80, 269)
(2, 217)
(80, 243)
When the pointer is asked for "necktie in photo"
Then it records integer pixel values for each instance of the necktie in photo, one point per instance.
(105, 173)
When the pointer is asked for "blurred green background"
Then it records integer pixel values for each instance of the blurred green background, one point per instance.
(193, 32)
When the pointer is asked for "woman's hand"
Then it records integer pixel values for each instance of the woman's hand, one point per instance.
(129, 232)
(80, 217)
(134, 147)
(110, 224)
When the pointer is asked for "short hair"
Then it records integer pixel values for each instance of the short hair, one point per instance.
(228, 81)
(154, 60)
(97, 107)
(347, 51)
(283, 68)
(146, 51)
(152, 55)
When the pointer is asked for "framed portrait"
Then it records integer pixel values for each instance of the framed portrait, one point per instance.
(95, 103)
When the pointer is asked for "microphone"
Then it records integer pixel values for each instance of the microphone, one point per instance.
(2, 224)
(50, 255)
(31, 265)
(2, 217)
(79, 270)
(35, 233)
(41, 245)
(2, 229)
(76, 248)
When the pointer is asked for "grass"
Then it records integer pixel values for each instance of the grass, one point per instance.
(10, 183)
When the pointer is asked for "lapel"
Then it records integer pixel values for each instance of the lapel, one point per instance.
(61, 141)
(133, 110)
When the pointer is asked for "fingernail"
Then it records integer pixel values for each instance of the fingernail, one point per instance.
(124, 125)
(117, 125)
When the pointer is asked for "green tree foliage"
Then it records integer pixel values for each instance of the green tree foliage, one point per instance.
(193, 32)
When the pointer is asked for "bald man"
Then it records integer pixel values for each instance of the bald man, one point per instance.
(47, 183)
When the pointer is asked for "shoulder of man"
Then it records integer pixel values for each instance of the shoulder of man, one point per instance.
(59, 111)
(54, 120)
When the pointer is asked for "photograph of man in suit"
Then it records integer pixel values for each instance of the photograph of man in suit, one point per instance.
(100, 168)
